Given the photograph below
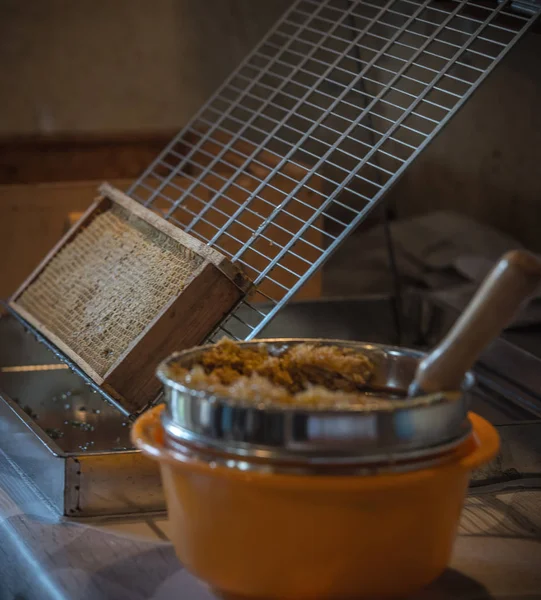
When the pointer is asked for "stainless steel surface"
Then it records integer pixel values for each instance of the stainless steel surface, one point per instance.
(48, 345)
(66, 438)
(368, 318)
(217, 456)
(59, 401)
(354, 89)
(405, 430)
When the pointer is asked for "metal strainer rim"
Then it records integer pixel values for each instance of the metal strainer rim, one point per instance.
(392, 405)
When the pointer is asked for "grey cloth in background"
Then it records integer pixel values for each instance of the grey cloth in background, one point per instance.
(445, 253)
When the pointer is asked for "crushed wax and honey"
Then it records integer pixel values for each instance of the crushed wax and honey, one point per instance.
(311, 375)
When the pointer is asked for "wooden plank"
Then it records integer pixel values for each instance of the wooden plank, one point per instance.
(34, 159)
(185, 323)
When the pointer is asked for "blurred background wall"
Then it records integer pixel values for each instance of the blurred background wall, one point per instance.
(92, 90)
(119, 65)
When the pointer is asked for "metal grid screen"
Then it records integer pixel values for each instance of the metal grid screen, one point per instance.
(312, 129)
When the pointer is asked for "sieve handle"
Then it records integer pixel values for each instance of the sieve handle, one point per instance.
(510, 283)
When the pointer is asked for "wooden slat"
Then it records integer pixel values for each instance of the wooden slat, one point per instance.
(82, 157)
(185, 323)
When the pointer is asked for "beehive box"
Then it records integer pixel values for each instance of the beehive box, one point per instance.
(122, 290)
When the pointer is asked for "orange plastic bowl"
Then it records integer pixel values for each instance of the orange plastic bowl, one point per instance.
(291, 537)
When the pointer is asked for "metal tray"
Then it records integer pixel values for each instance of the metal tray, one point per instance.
(65, 437)
(73, 445)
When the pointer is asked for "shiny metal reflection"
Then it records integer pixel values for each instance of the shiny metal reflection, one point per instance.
(409, 429)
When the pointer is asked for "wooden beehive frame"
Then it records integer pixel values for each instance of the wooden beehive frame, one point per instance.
(210, 291)
(208, 190)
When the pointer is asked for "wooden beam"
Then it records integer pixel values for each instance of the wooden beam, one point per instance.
(84, 157)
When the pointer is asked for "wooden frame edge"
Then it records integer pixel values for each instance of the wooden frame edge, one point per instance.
(229, 269)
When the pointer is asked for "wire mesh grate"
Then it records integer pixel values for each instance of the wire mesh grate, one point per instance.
(313, 128)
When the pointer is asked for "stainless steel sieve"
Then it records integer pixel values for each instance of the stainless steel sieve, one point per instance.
(403, 431)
